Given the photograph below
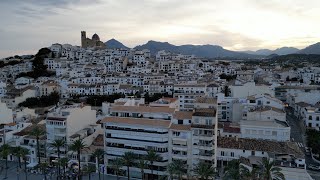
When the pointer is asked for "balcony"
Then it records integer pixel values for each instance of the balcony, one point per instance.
(179, 147)
(204, 146)
(180, 156)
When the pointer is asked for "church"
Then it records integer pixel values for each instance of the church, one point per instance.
(94, 42)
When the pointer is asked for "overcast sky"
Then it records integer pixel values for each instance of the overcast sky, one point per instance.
(28, 25)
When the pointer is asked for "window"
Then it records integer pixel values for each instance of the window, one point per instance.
(244, 151)
(232, 154)
(253, 153)
(196, 120)
(180, 121)
(310, 117)
(317, 118)
(222, 153)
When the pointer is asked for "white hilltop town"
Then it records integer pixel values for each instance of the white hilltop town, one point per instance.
(158, 116)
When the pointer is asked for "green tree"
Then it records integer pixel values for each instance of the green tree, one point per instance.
(142, 164)
(38, 132)
(116, 164)
(246, 174)
(99, 155)
(57, 144)
(20, 152)
(177, 167)
(152, 156)
(313, 140)
(171, 168)
(23, 153)
(204, 171)
(44, 169)
(77, 146)
(269, 171)
(128, 160)
(89, 169)
(5, 150)
(232, 170)
(64, 163)
(16, 152)
(226, 90)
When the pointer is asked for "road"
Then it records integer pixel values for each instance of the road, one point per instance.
(297, 135)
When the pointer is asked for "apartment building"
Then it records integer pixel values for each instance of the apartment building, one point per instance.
(65, 121)
(312, 118)
(284, 154)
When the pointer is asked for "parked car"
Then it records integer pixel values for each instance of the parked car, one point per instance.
(314, 167)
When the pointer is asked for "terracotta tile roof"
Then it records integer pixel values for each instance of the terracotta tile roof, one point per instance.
(205, 112)
(269, 108)
(143, 109)
(181, 115)
(206, 100)
(303, 104)
(98, 141)
(11, 124)
(230, 128)
(138, 121)
(275, 147)
(27, 130)
(180, 127)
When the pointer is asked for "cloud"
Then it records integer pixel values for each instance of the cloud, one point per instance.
(236, 25)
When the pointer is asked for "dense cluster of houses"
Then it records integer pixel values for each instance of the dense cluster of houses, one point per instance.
(206, 119)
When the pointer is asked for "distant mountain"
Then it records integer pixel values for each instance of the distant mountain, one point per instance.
(113, 44)
(279, 51)
(209, 51)
(312, 49)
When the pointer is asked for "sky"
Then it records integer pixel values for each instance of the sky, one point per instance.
(28, 25)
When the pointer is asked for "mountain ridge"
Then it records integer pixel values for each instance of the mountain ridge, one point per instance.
(113, 43)
(214, 51)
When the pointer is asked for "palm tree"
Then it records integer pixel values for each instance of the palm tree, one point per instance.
(64, 163)
(171, 168)
(77, 146)
(99, 155)
(116, 164)
(204, 170)
(269, 172)
(58, 143)
(177, 167)
(44, 168)
(246, 174)
(37, 132)
(142, 164)
(16, 153)
(23, 153)
(232, 170)
(19, 152)
(4, 152)
(152, 156)
(89, 170)
(128, 160)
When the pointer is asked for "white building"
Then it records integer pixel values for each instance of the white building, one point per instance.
(5, 114)
(312, 118)
(65, 121)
